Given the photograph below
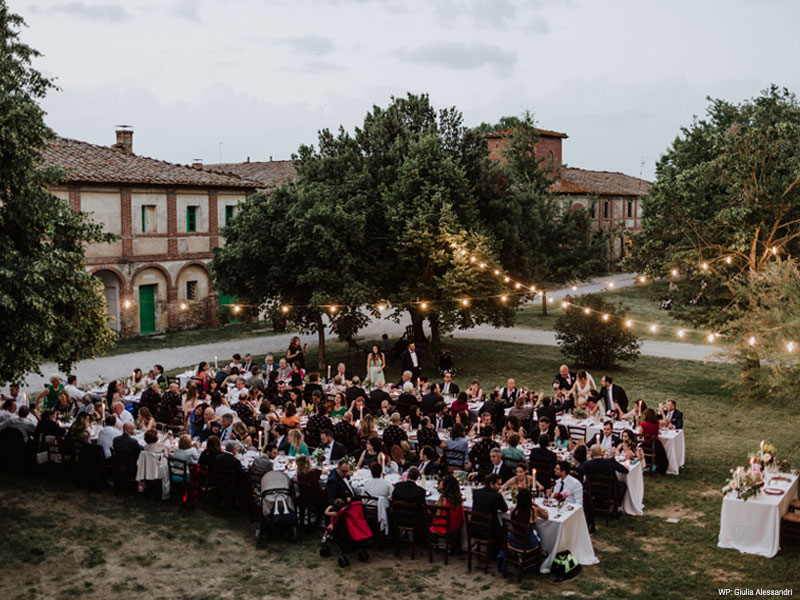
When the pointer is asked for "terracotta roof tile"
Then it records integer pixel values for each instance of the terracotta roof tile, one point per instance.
(542, 132)
(85, 162)
(583, 181)
(266, 174)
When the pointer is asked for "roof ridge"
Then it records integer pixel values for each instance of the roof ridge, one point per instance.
(604, 171)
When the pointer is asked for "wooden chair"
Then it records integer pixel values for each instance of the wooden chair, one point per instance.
(518, 554)
(545, 472)
(478, 537)
(405, 525)
(648, 446)
(208, 481)
(454, 460)
(371, 516)
(179, 477)
(123, 470)
(309, 502)
(439, 516)
(577, 432)
(790, 523)
(226, 485)
(254, 494)
(601, 489)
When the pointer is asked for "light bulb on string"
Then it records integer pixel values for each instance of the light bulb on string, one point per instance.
(628, 323)
(790, 346)
(710, 337)
(704, 266)
(506, 279)
(605, 317)
(550, 300)
(381, 308)
(284, 309)
(574, 288)
(728, 259)
(774, 249)
(184, 306)
(472, 259)
(482, 265)
(681, 333)
(642, 278)
(496, 272)
(503, 298)
(564, 305)
(517, 286)
(236, 308)
(423, 305)
(464, 302)
(674, 272)
(127, 304)
(586, 311)
(611, 284)
(653, 328)
(453, 245)
(333, 309)
(752, 341)
(533, 288)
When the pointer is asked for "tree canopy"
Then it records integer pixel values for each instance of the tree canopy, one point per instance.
(50, 307)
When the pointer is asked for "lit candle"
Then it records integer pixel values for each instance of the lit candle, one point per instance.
(534, 479)
(260, 433)
(597, 438)
(762, 446)
(216, 366)
(329, 371)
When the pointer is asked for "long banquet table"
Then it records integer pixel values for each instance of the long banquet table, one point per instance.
(753, 526)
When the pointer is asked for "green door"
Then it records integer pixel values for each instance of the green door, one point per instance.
(147, 308)
(226, 302)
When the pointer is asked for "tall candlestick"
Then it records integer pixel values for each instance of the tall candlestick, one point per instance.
(329, 371)
(597, 438)
(260, 433)
(216, 365)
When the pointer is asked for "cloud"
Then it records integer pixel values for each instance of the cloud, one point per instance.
(540, 25)
(461, 56)
(310, 44)
(188, 9)
(493, 13)
(98, 12)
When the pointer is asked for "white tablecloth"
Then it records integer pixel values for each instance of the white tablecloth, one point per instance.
(565, 532)
(633, 502)
(753, 526)
(184, 378)
(675, 448)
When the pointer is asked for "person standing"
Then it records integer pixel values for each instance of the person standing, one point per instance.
(376, 363)
(410, 361)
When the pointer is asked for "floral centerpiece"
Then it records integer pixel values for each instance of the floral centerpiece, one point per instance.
(310, 407)
(580, 412)
(351, 462)
(513, 493)
(319, 456)
(560, 497)
(383, 422)
(745, 482)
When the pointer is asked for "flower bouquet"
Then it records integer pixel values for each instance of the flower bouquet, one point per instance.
(745, 482)
(310, 408)
(580, 412)
(513, 492)
(319, 456)
(560, 497)
(383, 422)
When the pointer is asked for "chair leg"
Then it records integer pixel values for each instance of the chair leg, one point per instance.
(469, 558)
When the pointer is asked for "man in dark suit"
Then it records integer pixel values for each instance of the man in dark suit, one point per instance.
(489, 501)
(334, 451)
(543, 428)
(448, 388)
(429, 462)
(406, 401)
(281, 440)
(313, 385)
(126, 442)
(608, 439)
(671, 416)
(269, 366)
(441, 420)
(247, 365)
(410, 361)
(498, 465)
(542, 459)
(562, 383)
(430, 399)
(597, 465)
(228, 460)
(509, 393)
(354, 391)
(614, 396)
(409, 491)
(337, 485)
(378, 395)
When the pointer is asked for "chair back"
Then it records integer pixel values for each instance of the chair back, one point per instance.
(178, 469)
(601, 489)
(545, 472)
(648, 446)
(454, 460)
(577, 432)
(397, 455)
(438, 516)
(478, 526)
(226, 478)
(405, 515)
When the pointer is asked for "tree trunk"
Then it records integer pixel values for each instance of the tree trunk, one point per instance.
(416, 323)
(321, 363)
(436, 341)
(544, 303)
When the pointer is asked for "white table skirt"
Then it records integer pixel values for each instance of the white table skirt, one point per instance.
(675, 448)
(633, 502)
(753, 526)
(568, 532)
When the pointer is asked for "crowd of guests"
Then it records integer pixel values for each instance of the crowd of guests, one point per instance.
(278, 407)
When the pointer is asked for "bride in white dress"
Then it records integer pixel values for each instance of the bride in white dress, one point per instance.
(580, 391)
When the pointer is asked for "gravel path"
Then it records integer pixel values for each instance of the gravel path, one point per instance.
(110, 367)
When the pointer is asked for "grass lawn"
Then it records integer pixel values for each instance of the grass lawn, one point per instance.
(189, 337)
(643, 302)
(62, 543)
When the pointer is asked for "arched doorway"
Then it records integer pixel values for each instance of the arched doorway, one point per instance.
(111, 292)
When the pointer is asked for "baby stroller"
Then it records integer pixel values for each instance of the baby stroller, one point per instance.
(278, 512)
(350, 530)
(446, 363)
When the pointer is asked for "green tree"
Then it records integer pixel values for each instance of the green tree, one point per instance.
(302, 247)
(592, 340)
(50, 307)
(726, 201)
(541, 239)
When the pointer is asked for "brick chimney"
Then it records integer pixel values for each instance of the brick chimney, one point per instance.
(124, 139)
(197, 163)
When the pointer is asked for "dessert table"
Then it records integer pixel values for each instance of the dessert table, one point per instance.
(753, 526)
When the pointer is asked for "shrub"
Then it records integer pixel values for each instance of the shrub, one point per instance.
(592, 341)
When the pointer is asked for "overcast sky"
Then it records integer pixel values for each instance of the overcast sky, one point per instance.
(262, 76)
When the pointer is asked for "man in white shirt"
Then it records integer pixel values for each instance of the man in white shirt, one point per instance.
(122, 415)
(283, 369)
(14, 393)
(107, 434)
(73, 390)
(236, 393)
(21, 423)
(567, 483)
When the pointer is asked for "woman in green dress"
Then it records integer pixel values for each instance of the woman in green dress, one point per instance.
(375, 365)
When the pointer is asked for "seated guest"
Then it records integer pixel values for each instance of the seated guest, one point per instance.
(145, 420)
(512, 454)
(448, 388)
(509, 393)
(238, 392)
(316, 423)
(479, 454)
(546, 408)
(597, 465)
(386, 409)
(457, 442)
(125, 443)
(485, 420)
(409, 491)
(79, 433)
(339, 406)
(376, 487)
(489, 501)
(334, 451)
(355, 390)
(566, 483)
(461, 404)
(226, 428)
(670, 416)
(440, 418)
(185, 451)
(65, 407)
(48, 426)
(337, 485)
(290, 417)
(367, 430)
(195, 424)
(123, 416)
(428, 465)
(609, 440)
(107, 434)
(543, 429)
(263, 463)
(208, 456)
(22, 422)
(564, 380)
(562, 439)
(498, 465)
(373, 454)
(579, 455)
(513, 426)
(474, 392)
(359, 409)
(615, 397)
(378, 395)
(211, 425)
(494, 407)
(242, 435)
(296, 444)
(649, 425)
(280, 439)
(152, 444)
(394, 434)
(628, 446)
(229, 460)
(451, 499)
(426, 434)
(151, 399)
(345, 432)
(430, 399)
(542, 455)
(308, 475)
(522, 480)
(313, 384)
(526, 514)
(407, 400)
(521, 411)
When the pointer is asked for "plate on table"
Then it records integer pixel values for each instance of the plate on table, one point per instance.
(773, 491)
